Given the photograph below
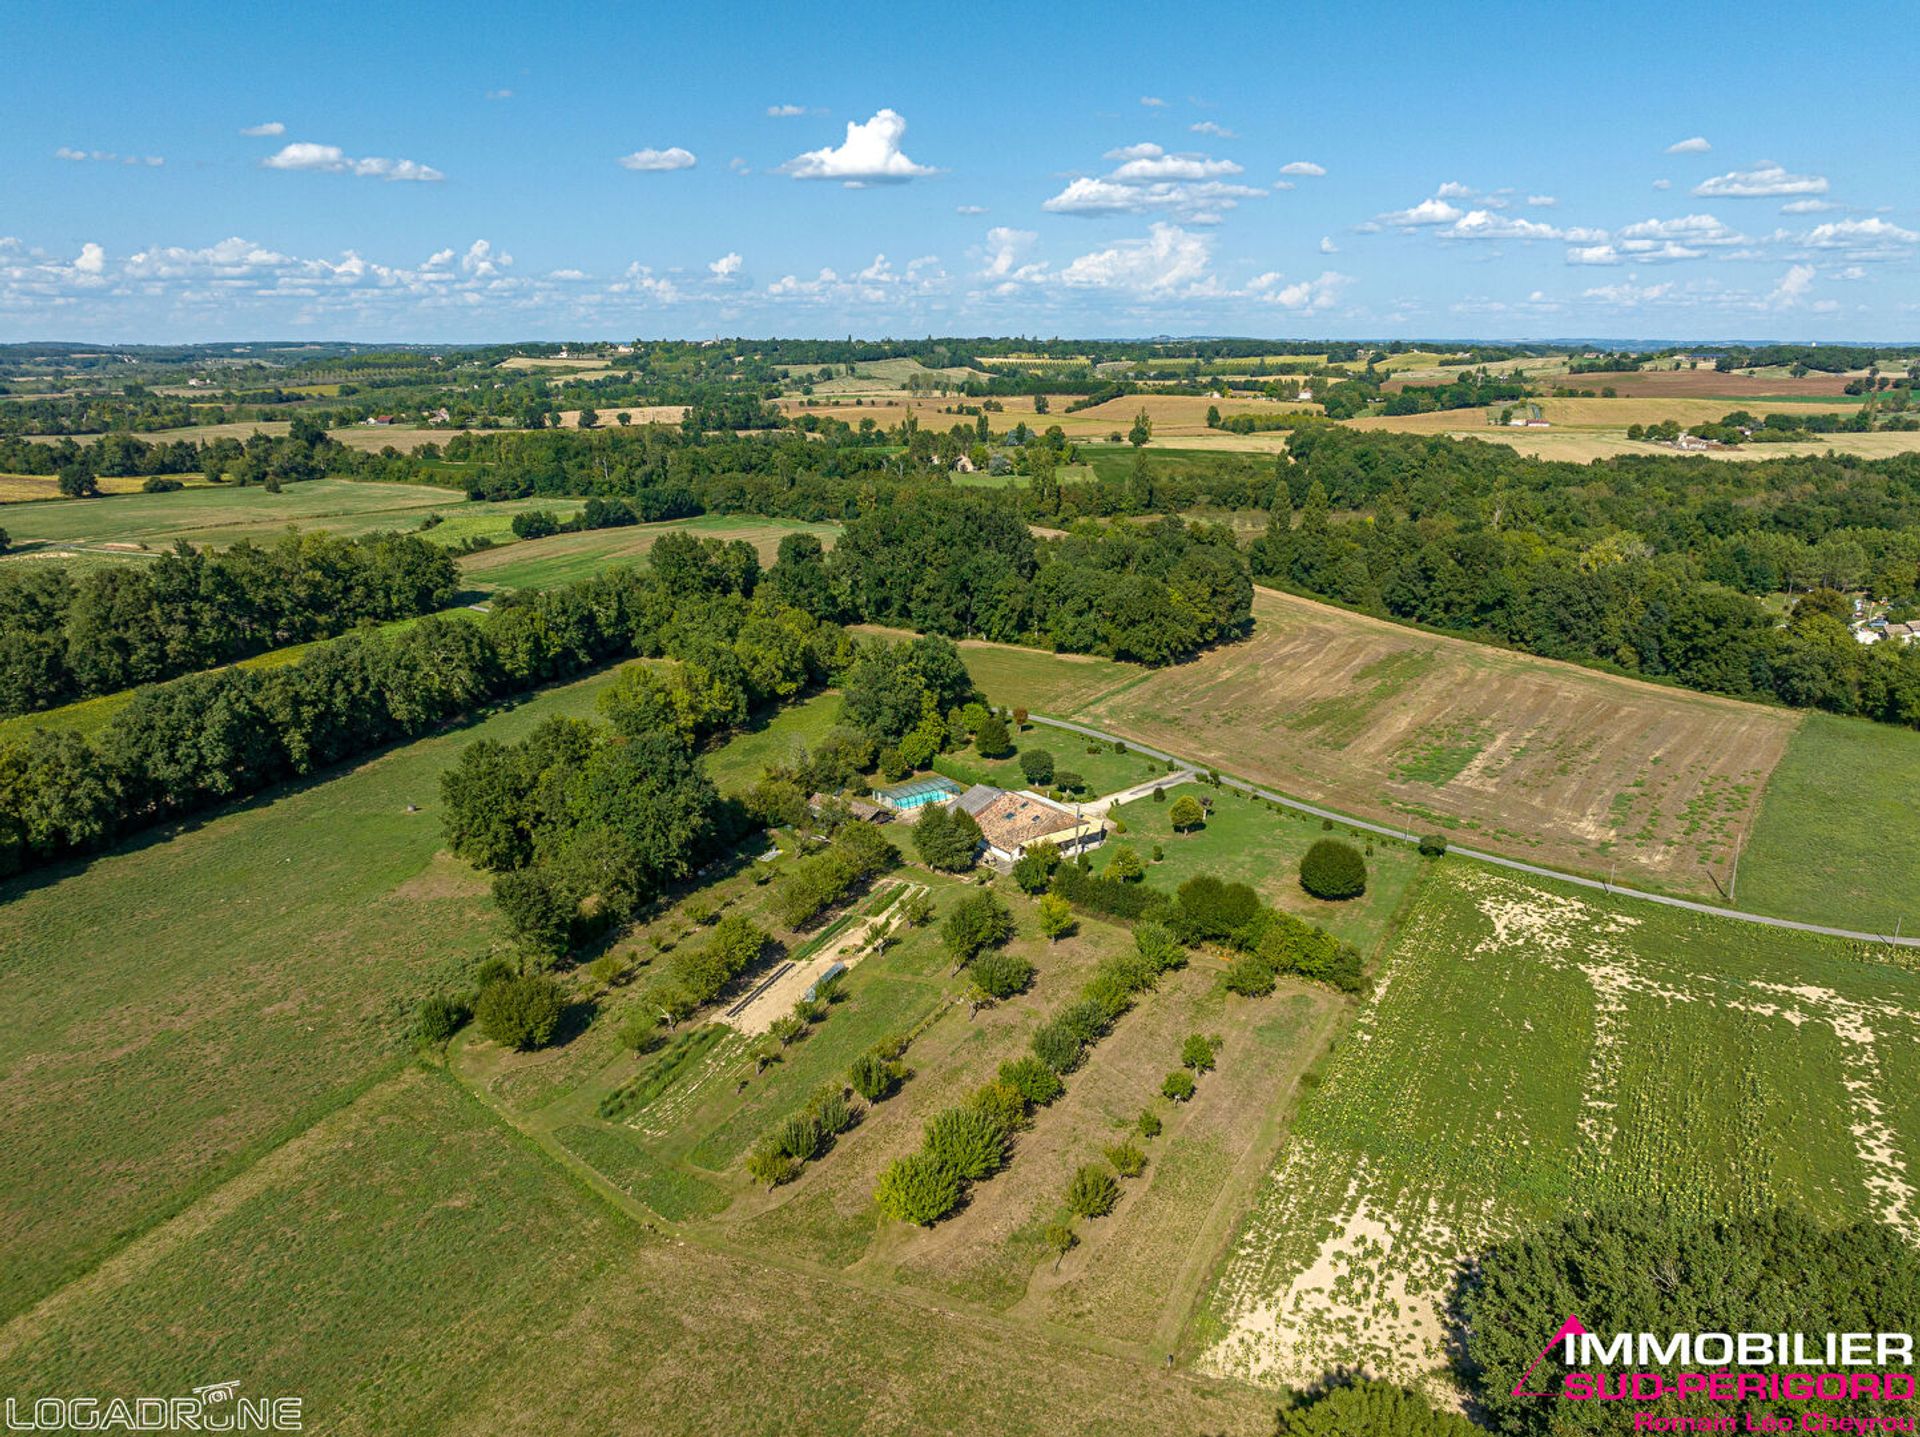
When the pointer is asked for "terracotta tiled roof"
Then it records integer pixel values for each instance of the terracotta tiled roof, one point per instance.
(1014, 819)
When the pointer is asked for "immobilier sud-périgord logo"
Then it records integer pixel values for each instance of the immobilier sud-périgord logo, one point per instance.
(1734, 1367)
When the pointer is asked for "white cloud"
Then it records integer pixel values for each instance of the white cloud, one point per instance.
(639, 281)
(1210, 127)
(1663, 184)
(1695, 146)
(107, 157)
(1761, 182)
(1302, 167)
(652, 161)
(1805, 207)
(1168, 263)
(1649, 234)
(499, 94)
(1542, 202)
(262, 131)
(1859, 234)
(1593, 254)
(1327, 246)
(870, 154)
(329, 159)
(739, 166)
(1454, 190)
(878, 283)
(785, 112)
(1792, 288)
(91, 260)
(727, 266)
(1428, 212)
(567, 275)
(1153, 102)
(1628, 293)
(482, 261)
(1484, 224)
(1151, 180)
(1308, 295)
(969, 209)
(1004, 258)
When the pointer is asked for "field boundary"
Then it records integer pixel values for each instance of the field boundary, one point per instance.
(1559, 875)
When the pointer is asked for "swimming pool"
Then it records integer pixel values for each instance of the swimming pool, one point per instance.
(918, 793)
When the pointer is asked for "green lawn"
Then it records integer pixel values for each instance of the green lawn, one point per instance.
(777, 738)
(1104, 770)
(1534, 1050)
(1837, 840)
(225, 514)
(1245, 841)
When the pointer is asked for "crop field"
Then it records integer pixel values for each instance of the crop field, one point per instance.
(1529, 1052)
(223, 514)
(1543, 760)
(563, 558)
(24, 488)
(640, 414)
(1174, 416)
(1706, 383)
(1013, 677)
(370, 437)
(1837, 837)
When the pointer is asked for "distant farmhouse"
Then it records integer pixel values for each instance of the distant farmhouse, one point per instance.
(1011, 823)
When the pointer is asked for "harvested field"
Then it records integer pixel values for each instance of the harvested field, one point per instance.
(641, 414)
(1586, 414)
(1705, 383)
(1539, 759)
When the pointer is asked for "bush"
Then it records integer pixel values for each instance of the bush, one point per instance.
(1157, 946)
(1148, 1123)
(767, 1164)
(1068, 781)
(1178, 1086)
(1001, 975)
(918, 1188)
(874, 1077)
(1036, 766)
(1125, 865)
(1432, 846)
(1127, 1159)
(1368, 1405)
(992, 738)
(1057, 1046)
(830, 1110)
(799, 1137)
(156, 485)
(1093, 1192)
(1250, 976)
(1186, 814)
(520, 1013)
(1036, 1082)
(1088, 1019)
(969, 1141)
(1001, 1102)
(438, 1018)
(1333, 870)
(1197, 1053)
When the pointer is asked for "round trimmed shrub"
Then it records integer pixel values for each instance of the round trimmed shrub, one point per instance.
(520, 1013)
(1333, 870)
(1432, 846)
(1178, 1086)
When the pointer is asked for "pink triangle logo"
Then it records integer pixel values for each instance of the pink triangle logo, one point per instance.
(1572, 1327)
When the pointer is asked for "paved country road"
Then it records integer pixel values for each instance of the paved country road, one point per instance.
(1557, 875)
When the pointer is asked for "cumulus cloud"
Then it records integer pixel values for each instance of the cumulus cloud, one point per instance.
(1837, 234)
(726, 267)
(1210, 127)
(1663, 184)
(330, 159)
(1792, 288)
(1593, 254)
(1435, 211)
(1485, 224)
(1005, 258)
(1651, 234)
(1302, 167)
(1805, 207)
(1169, 262)
(1148, 180)
(265, 130)
(1327, 246)
(785, 112)
(1542, 202)
(969, 209)
(870, 155)
(878, 283)
(1627, 294)
(1695, 146)
(1153, 102)
(1761, 182)
(1308, 295)
(499, 94)
(652, 161)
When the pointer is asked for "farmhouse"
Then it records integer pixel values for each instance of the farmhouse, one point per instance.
(1013, 822)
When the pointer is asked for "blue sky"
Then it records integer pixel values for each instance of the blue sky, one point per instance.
(423, 172)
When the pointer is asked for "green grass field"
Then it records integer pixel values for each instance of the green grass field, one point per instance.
(1245, 841)
(564, 558)
(1837, 839)
(1104, 770)
(1531, 1051)
(223, 515)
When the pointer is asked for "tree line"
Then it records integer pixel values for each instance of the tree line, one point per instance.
(67, 635)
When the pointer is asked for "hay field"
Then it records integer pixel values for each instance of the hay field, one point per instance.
(365, 437)
(563, 558)
(1525, 756)
(1706, 383)
(1530, 1051)
(26, 488)
(1173, 415)
(636, 414)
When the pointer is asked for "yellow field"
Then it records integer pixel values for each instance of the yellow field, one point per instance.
(641, 414)
(1173, 415)
(20, 488)
(586, 367)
